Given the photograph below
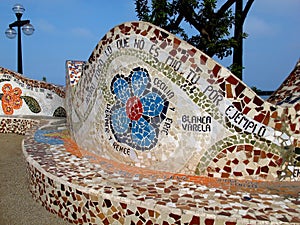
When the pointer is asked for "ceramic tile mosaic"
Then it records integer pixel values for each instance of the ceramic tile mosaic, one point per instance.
(159, 133)
(22, 96)
(148, 99)
(288, 94)
(84, 188)
(74, 69)
(17, 125)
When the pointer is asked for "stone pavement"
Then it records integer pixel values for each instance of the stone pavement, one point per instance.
(16, 203)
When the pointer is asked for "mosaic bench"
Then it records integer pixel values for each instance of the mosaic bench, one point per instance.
(84, 188)
(159, 133)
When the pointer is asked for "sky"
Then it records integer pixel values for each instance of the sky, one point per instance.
(70, 30)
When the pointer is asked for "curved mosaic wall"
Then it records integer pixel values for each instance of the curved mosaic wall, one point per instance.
(22, 96)
(288, 94)
(148, 99)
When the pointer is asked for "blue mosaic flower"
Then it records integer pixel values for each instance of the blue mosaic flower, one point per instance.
(138, 111)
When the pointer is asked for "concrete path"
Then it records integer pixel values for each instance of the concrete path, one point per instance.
(16, 204)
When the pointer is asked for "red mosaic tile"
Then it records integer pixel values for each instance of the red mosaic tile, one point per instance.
(259, 117)
(227, 169)
(246, 110)
(209, 221)
(239, 89)
(232, 80)
(230, 149)
(230, 223)
(216, 70)
(250, 171)
(192, 51)
(237, 173)
(266, 119)
(225, 175)
(265, 169)
(235, 161)
(203, 59)
(195, 220)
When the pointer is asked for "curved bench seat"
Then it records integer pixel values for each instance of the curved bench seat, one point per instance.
(85, 189)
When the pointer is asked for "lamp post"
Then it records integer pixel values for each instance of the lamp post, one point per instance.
(11, 33)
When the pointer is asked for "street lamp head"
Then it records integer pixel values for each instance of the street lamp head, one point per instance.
(18, 9)
(11, 33)
(28, 29)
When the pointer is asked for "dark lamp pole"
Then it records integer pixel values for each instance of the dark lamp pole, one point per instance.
(11, 33)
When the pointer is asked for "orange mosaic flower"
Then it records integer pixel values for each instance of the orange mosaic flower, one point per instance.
(11, 99)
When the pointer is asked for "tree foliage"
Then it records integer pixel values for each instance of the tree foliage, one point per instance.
(212, 24)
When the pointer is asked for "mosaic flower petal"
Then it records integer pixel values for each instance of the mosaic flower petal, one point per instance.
(143, 133)
(139, 82)
(17, 103)
(17, 91)
(6, 88)
(7, 109)
(153, 104)
(120, 120)
(121, 89)
(8, 98)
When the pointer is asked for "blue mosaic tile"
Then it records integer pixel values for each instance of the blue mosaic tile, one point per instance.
(40, 137)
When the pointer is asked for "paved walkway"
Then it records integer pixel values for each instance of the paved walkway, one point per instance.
(16, 204)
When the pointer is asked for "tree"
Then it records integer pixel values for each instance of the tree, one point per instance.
(239, 35)
(212, 25)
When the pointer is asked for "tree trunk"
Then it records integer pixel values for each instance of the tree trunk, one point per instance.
(237, 62)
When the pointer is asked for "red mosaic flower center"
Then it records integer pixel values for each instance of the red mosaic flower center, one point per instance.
(134, 108)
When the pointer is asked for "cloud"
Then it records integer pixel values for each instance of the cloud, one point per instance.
(45, 26)
(259, 27)
(81, 32)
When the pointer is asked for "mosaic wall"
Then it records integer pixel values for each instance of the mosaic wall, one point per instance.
(150, 100)
(21, 96)
(17, 125)
(288, 94)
